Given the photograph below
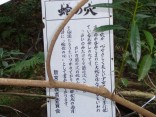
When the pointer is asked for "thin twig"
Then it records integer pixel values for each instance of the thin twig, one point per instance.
(128, 115)
(151, 81)
(14, 109)
(118, 110)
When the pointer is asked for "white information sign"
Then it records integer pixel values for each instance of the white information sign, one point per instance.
(80, 55)
(3, 1)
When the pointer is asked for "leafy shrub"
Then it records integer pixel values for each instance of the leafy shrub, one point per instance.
(136, 24)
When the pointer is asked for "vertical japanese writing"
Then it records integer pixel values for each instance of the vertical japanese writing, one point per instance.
(89, 42)
(103, 68)
(69, 36)
(57, 98)
(104, 106)
(63, 48)
(96, 71)
(102, 48)
(77, 67)
(72, 101)
(83, 55)
(72, 92)
(103, 78)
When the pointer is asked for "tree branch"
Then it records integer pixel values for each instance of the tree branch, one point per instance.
(102, 91)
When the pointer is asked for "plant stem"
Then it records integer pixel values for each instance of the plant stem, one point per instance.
(128, 41)
(135, 11)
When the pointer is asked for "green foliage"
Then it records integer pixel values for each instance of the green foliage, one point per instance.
(115, 4)
(124, 82)
(9, 100)
(20, 25)
(29, 64)
(11, 64)
(109, 27)
(6, 58)
(150, 40)
(139, 19)
(145, 66)
(135, 42)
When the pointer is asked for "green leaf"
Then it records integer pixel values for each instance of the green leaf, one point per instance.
(109, 27)
(150, 39)
(115, 4)
(152, 26)
(121, 1)
(18, 67)
(132, 64)
(135, 42)
(145, 66)
(124, 82)
(107, 5)
(150, 4)
(142, 16)
(5, 64)
(16, 52)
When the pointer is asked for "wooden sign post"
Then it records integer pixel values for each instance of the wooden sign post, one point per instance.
(80, 55)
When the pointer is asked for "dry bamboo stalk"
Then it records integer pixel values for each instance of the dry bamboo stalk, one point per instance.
(138, 94)
(102, 91)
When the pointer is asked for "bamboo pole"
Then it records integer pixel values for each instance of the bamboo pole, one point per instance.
(102, 91)
(138, 94)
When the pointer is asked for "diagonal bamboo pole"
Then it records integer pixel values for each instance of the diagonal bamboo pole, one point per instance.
(102, 91)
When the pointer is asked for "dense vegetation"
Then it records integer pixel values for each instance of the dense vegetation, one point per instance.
(20, 38)
(21, 55)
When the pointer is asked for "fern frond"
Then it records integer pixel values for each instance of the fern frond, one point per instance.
(28, 64)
